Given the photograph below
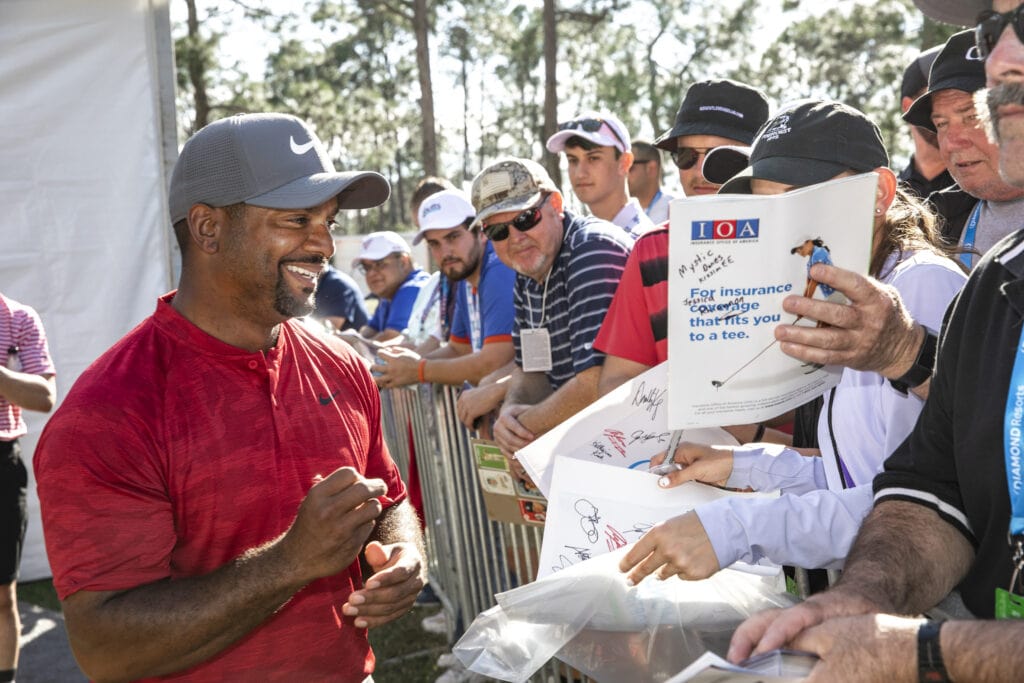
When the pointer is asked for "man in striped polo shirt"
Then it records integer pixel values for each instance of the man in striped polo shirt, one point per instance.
(567, 270)
(26, 381)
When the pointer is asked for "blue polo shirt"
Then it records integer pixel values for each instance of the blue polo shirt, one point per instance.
(393, 314)
(338, 296)
(485, 313)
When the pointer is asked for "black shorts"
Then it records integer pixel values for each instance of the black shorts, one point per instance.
(13, 515)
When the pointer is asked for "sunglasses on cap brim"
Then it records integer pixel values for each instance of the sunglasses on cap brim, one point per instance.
(525, 221)
(590, 126)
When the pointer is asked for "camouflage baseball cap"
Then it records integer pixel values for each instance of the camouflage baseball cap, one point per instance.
(509, 185)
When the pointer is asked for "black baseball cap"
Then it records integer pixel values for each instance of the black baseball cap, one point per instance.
(956, 12)
(958, 66)
(915, 76)
(726, 108)
(810, 142)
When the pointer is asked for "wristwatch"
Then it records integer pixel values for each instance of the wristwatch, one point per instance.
(930, 667)
(922, 368)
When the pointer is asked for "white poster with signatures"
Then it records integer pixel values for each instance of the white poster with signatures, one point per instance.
(593, 509)
(732, 261)
(623, 429)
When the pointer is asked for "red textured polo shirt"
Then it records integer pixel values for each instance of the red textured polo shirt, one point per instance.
(175, 452)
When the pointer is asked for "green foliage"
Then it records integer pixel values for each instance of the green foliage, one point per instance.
(854, 53)
(349, 66)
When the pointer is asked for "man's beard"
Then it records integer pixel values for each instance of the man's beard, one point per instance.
(988, 101)
(464, 272)
(286, 303)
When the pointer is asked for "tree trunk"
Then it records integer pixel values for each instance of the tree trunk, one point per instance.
(550, 88)
(197, 68)
(421, 27)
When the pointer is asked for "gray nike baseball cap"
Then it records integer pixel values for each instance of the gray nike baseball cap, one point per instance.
(274, 161)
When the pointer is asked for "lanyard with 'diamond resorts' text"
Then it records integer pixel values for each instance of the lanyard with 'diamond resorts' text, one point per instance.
(1009, 603)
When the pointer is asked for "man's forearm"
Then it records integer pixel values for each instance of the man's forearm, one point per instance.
(170, 625)
(905, 559)
(569, 399)
(471, 367)
(25, 390)
(527, 388)
(983, 650)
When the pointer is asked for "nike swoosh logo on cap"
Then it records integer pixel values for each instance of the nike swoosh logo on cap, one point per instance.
(297, 148)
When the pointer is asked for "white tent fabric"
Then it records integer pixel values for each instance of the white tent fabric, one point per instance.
(84, 234)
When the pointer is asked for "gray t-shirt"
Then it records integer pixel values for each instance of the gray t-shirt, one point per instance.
(997, 220)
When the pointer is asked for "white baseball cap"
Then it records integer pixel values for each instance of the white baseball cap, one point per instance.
(378, 245)
(599, 127)
(442, 211)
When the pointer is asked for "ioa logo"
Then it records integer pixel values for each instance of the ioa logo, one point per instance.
(436, 206)
(725, 229)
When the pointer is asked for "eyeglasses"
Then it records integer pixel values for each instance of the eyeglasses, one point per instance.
(365, 267)
(591, 126)
(524, 222)
(640, 162)
(686, 157)
(991, 25)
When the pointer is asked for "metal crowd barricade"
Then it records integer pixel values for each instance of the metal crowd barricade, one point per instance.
(470, 557)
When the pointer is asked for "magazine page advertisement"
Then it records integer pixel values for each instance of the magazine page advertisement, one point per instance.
(732, 261)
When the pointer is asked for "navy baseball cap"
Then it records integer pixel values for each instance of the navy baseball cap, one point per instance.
(810, 142)
(725, 108)
(271, 160)
(958, 66)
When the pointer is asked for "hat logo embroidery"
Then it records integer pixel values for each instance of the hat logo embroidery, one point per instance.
(297, 148)
(720, 108)
(973, 55)
(431, 209)
(780, 128)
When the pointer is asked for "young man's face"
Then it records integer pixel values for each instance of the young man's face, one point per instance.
(273, 258)
(457, 251)
(1004, 69)
(970, 157)
(644, 177)
(691, 178)
(596, 173)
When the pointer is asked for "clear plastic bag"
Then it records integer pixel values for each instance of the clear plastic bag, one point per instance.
(588, 617)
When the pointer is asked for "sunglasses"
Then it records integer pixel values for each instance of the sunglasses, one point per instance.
(524, 222)
(591, 126)
(686, 157)
(991, 25)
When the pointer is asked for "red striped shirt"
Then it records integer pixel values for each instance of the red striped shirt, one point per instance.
(22, 340)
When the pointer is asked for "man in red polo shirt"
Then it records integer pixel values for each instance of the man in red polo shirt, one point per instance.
(210, 483)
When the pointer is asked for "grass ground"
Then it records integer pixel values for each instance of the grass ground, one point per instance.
(405, 652)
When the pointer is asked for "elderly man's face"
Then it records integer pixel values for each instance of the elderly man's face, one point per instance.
(1005, 71)
(385, 276)
(531, 253)
(971, 158)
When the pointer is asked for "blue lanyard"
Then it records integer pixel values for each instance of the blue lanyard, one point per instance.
(969, 230)
(654, 200)
(1013, 441)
